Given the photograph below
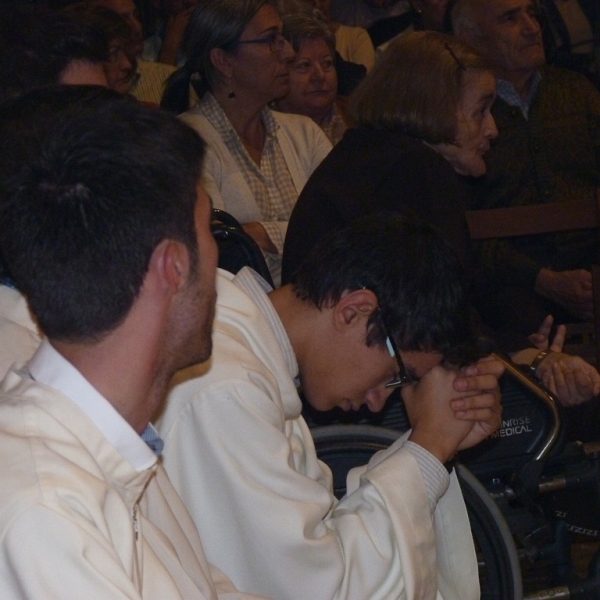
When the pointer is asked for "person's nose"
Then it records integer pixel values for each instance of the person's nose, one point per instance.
(376, 398)
(491, 130)
(317, 73)
(531, 26)
(287, 52)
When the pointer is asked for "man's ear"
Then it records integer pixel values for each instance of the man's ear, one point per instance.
(354, 309)
(170, 264)
(221, 61)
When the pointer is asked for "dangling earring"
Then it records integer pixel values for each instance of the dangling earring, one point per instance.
(231, 94)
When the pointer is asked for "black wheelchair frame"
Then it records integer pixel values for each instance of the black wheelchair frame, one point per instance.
(522, 487)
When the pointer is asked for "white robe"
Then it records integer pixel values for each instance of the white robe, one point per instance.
(243, 460)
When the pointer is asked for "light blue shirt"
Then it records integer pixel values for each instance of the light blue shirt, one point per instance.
(507, 92)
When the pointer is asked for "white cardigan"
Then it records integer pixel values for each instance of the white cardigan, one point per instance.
(303, 144)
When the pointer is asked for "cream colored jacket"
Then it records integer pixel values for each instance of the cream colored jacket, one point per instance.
(78, 521)
(19, 336)
(243, 460)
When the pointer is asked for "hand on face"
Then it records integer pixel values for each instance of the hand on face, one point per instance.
(451, 411)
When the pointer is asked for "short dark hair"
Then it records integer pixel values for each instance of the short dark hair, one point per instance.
(112, 25)
(411, 269)
(90, 183)
(417, 85)
(38, 44)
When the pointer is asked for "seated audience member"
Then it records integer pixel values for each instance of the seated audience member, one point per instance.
(365, 314)
(105, 229)
(548, 151)
(363, 13)
(400, 158)
(424, 15)
(354, 53)
(408, 160)
(572, 36)
(352, 43)
(165, 45)
(40, 47)
(150, 80)
(313, 78)
(151, 76)
(120, 69)
(257, 161)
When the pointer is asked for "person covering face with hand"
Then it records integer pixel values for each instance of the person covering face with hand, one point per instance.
(364, 315)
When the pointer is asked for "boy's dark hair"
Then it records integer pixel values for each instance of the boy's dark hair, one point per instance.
(37, 45)
(90, 183)
(413, 272)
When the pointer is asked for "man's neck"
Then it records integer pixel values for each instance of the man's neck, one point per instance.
(129, 378)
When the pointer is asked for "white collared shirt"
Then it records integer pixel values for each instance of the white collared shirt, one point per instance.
(49, 367)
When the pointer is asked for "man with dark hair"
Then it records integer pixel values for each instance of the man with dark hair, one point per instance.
(547, 150)
(105, 229)
(41, 47)
(376, 306)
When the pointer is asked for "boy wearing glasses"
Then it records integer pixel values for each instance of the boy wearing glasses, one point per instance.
(377, 305)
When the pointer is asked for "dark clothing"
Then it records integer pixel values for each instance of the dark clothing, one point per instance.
(373, 170)
(552, 157)
(557, 40)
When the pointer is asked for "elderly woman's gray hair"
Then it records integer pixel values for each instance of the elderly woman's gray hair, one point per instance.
(299, 27)
(417, 85)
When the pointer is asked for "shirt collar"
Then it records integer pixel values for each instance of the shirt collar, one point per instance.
(257, 288)
(50, 368)
(212, 110)
(506, 91)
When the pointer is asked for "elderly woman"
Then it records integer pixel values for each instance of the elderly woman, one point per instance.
(258, 161)
(423, 117)
(313, 78)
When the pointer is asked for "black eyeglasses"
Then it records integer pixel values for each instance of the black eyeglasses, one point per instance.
(275, 40)
(403, 377)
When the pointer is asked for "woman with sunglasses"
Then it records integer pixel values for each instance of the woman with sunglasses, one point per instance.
(258, 161)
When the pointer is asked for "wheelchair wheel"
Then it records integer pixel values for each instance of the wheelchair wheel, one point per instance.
(343, 447)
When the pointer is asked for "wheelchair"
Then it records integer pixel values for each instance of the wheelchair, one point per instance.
(522, 486)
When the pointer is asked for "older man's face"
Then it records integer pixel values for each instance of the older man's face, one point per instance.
(509, 35)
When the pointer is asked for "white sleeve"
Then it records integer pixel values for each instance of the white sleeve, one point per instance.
(46, 555)
(266, 514)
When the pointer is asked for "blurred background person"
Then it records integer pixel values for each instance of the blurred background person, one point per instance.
(423, 15)
(40, 47)
(165, 44)
(258, 160)
(571, 35)
(352, 44)
(363, 13)
(313, 77)
(148, 85)
(120, 68)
